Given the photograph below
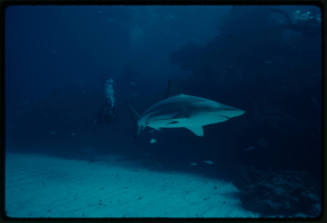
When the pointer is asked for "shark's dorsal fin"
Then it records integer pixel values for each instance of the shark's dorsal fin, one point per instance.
(197, 130)
(168, 90)
(165, 96)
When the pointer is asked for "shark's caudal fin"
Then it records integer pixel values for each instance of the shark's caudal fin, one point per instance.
(135, 117)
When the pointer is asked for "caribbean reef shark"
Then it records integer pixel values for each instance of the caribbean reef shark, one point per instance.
(185, 111)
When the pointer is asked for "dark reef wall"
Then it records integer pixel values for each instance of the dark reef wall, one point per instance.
(274, 74)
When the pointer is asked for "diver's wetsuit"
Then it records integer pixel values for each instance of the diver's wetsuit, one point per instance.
(107, 113)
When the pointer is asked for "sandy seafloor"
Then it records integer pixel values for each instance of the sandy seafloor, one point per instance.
(44, 186)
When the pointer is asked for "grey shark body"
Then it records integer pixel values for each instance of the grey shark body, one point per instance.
(185, 111)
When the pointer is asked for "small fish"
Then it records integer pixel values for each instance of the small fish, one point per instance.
(262, 143)
(209, 162)
(74, 133)
(268, 62)
(315, 101)
(53, 51)
(249, 148)
(193, 164)
(53, 132)
(171, 17)
(26, 102)
(152, 140)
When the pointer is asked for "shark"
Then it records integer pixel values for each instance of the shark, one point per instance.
(185, 111)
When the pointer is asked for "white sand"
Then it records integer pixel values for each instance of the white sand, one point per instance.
(43, 186)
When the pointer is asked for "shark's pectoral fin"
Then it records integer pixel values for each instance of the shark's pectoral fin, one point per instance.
(197, 130)
(156, 128)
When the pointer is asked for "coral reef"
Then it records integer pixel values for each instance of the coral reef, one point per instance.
(279, 194)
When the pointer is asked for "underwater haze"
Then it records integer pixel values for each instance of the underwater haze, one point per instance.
(163, 111)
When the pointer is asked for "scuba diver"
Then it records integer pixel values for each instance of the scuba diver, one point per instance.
(300, 21)
(107, 112)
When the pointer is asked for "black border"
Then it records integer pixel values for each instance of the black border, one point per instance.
(5, 3)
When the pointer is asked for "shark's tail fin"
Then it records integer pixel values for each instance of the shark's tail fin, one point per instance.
(135, 117)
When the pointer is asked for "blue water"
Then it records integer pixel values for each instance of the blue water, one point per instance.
(263, 60)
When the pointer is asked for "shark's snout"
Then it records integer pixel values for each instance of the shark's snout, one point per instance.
(239, 112)
(233, 112)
